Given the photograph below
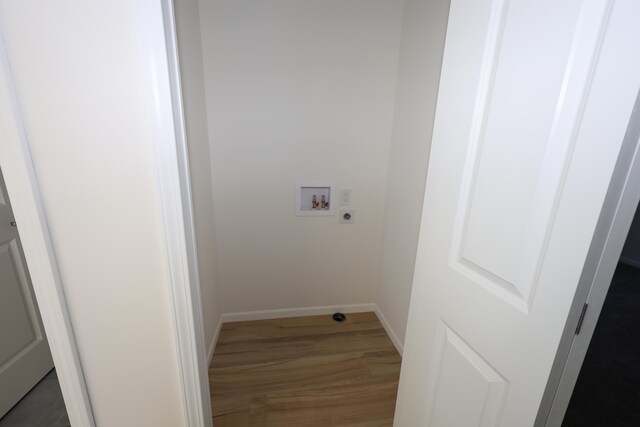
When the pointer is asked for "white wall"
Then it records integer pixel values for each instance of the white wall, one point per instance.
(298, 90)
(193, 95)
(78, 79)
(423, 34)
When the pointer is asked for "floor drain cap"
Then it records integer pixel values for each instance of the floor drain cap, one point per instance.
(339, 317)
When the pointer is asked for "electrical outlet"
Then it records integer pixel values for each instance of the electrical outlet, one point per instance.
(345, 197)
(347, 216)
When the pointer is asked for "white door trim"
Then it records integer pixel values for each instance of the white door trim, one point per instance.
(155, 24)
(24, 193)
(611, 232)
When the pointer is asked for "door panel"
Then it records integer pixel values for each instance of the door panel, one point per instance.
(514, 117)
(461, 375)
(533, 104)
(520, 139)
(24, 352)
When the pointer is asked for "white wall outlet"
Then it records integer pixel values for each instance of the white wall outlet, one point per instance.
(347, 216)
(345, 197)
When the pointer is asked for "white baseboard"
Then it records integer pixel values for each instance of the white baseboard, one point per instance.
(387, 327)
(286, 312)
(212, 346)
(304, 311)
(295, 312)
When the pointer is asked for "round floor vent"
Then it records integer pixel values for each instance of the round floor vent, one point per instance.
(339, 317)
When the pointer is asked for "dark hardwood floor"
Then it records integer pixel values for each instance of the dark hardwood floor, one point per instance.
(43, 406)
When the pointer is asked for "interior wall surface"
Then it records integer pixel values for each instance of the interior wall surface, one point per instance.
(423, 34)
(298, 91)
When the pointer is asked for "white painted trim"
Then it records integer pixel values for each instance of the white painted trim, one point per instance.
(387, 327)
(295, 312)
(155, 23)
(187, 206)
(24, 193)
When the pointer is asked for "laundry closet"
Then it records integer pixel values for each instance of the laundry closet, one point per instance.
(309, 127)
(293, 104)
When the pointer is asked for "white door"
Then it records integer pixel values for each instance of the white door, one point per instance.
(24, 352)
(534, 100)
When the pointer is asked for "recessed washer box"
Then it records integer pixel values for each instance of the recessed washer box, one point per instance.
(304, 198)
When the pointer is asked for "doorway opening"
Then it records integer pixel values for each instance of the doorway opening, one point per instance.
(30, 393)
(607, 391)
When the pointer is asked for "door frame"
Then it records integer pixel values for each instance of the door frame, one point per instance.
(160, 42)
(22, 185)
(173, 171)
(157, 40)
(604, 253)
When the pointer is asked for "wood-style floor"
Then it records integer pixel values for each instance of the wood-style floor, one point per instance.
(304, 371)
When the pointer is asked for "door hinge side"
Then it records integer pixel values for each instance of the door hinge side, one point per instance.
(584, 311)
